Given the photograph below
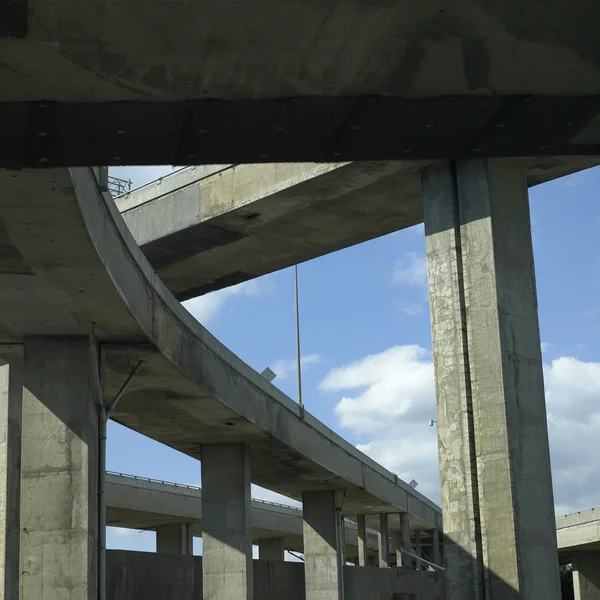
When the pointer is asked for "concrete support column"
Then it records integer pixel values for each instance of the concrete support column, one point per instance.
(322, 566)
(383, 539)
(226, 522)
(403, 541)
(59, 480)
(418, 550)
(586, 575)
(436, 554)
(362, 541)
(175, 538)
(491, 414)
(271, 549)
(11, 392)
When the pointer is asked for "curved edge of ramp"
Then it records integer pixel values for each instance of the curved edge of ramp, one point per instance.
(202, 359)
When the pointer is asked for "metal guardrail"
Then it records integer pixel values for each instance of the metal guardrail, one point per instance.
(118, 187)
(192, 487)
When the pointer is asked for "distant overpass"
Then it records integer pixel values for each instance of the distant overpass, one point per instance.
(148, 504)
(578, 536)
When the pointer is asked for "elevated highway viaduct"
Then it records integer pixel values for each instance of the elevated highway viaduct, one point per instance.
(476, 89)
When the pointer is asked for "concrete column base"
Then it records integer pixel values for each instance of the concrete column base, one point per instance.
(322, 568)
(175, 538)
(271, 549)
(59, 482)
(586, 575)
(11, 392)
(226, 522)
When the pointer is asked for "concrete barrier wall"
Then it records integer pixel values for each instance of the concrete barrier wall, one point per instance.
(143, 575)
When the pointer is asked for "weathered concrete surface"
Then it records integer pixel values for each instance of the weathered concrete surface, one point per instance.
(59, 471)
(403, 541)
(11, 394)
(371, 583)
(227, 525)
(322, 564)
(493, 440)
(175, 538)
(204, 228)
(288, 82)
(272, 549)
(141, 575)
(586, 575)
(191, 389)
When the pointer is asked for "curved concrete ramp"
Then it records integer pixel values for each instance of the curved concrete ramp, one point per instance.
(70, 260)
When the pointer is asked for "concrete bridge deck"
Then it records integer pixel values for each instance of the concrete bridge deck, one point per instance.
(205, 82)
(191, 389)
(204, 228)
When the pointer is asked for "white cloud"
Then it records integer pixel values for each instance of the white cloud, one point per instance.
(393, 397)
(410, 308)
(411, 269)
(284, 367)
(122, 531)
(206, 308)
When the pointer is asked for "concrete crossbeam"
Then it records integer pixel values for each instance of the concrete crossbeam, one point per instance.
(493, 439)
(11, 392)
(322, 566)
(175, 538)
(227, 523)
(59, 471)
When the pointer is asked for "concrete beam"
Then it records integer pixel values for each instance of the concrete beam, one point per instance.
(227, 526)
(586, 575)
(492, 432)
(175, 538)
(59, 471)
(11, 393)
(322, 568)
(272, 549)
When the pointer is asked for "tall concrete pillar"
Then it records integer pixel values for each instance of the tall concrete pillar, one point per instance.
(322, 565)
(403, 541)
(418, 550)
(226, 522)
(271, 549)
(175, 538)
(11, 391)
(59, 478)
(383, 539)
(586, 575)
(500, 539)
(362, 541)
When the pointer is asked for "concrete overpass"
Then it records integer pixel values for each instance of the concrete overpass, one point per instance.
(204, 228)
(93, 83)
(70, 261)
(174, 511)
(578, 536)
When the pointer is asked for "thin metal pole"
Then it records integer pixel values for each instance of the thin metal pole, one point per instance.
(299, 366)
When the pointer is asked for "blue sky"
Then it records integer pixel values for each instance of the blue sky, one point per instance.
(366, 344)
